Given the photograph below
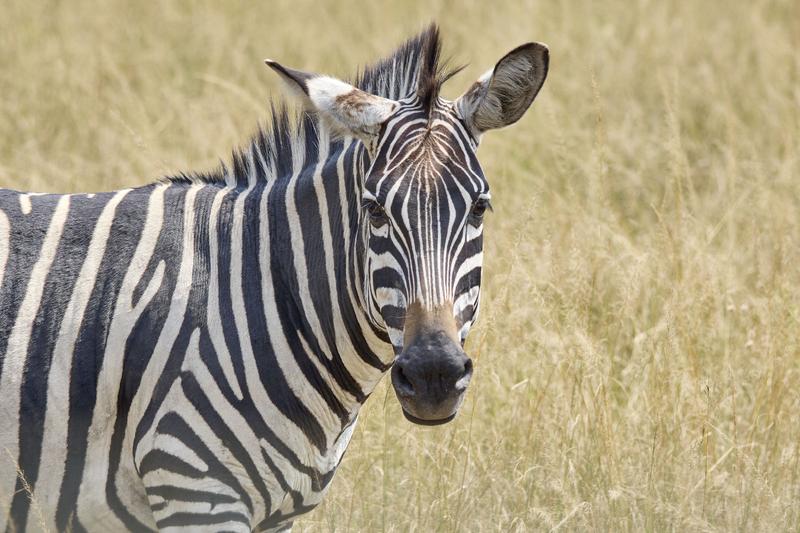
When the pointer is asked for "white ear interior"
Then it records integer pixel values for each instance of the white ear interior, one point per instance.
(347, 109)
(501, 95)
(357, 112)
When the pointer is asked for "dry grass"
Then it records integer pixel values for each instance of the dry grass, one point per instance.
(638, 358)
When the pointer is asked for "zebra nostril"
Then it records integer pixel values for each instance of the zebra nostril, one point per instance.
(463, 381)
(468, 367)
(401, 381)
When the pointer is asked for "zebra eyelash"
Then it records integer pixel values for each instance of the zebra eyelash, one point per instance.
(367, 203)
(482, 204)
(375, 211)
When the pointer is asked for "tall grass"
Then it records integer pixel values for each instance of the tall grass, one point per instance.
(638, 357)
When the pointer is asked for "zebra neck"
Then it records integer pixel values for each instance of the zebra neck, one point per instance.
(311, 254)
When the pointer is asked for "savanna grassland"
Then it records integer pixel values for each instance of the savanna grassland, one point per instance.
(638, 355)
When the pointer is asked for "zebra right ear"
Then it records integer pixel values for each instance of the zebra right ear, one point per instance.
(348, 110)
(502, 95)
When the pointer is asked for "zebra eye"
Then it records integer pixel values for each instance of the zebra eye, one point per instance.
(377, 215)
(478, 209)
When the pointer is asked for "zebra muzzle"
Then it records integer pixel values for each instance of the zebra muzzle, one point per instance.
(430, 378)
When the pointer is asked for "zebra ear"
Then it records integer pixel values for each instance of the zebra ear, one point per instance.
(348, 109)
(502, 95)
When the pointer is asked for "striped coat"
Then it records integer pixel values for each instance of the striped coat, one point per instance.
(193, 353)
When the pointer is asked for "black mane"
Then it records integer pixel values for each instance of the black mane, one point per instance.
(414, 67)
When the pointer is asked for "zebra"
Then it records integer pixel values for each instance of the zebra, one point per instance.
(193, 353)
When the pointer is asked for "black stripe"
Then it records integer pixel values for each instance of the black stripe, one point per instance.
(173, 493)
(145, 334)
(342, 251)
(60, 282)
(26, 237)
(142, 340)
(90, 348)
(285, 284)
(202, 403)
(172, 424)
(202, 519)
(319, 286)
(158, 459)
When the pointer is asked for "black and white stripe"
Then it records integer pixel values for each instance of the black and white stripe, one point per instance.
(193, 353)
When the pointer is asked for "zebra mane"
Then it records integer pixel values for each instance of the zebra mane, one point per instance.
(413, 68)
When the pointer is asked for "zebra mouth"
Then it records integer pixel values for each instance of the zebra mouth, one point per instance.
(426, 422)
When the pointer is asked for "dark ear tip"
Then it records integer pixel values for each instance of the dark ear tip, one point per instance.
(274, 65)
(536, 48)
(298, 77)
(543, 49)
(539, 52)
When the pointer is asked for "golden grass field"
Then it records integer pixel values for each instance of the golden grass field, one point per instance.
(638, 355)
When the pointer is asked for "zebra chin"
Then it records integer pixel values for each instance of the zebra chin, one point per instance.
(425, 422)
(430, 378)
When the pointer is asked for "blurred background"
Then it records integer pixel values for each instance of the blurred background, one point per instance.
(638, 355)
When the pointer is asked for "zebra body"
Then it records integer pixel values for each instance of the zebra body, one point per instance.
(145, 295)
(193, 353)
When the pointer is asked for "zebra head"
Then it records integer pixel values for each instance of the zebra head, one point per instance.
(423, 197)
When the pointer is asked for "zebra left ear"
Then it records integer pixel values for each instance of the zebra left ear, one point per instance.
(348, 109)
(502, 95)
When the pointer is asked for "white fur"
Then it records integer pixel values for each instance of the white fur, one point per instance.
(16, 355)
(93, 510)
(358, 113)
(54, 443)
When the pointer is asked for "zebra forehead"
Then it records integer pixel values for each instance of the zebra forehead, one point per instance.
(424, 185)
(411, 143)
(440, 139)
(430, 169)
